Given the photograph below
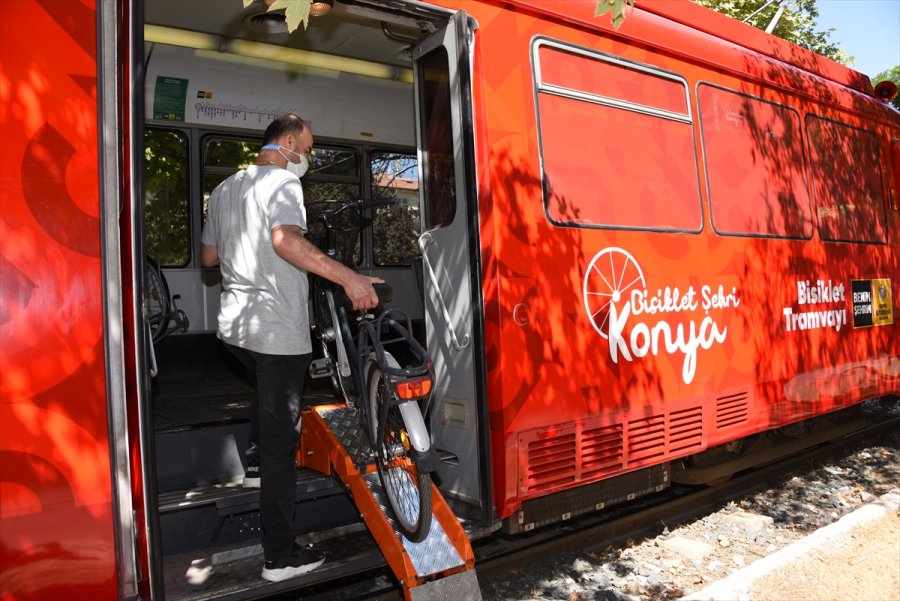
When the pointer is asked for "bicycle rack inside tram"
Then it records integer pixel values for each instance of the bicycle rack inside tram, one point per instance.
(442, 566)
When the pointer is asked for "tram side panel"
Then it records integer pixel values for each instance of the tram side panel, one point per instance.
(624, 334)
(56, 518)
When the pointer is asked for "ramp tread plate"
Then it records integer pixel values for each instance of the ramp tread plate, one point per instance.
(434, 554)
(347, 427)
(459, 587)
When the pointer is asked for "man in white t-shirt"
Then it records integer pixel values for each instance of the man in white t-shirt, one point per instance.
(254, 232)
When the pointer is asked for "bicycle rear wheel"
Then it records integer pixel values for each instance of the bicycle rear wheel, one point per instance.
(408, 490)
(156, 293)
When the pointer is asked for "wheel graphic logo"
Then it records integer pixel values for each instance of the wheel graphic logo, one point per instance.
(611, 274)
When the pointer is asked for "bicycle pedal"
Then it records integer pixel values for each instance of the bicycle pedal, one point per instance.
(321, 368)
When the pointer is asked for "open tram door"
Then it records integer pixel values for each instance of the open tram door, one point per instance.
(451, 266)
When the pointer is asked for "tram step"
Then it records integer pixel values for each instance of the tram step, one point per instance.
(205, 517)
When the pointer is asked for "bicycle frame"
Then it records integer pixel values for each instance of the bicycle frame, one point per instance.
(409, 389)
(413, 406)
(327, 309)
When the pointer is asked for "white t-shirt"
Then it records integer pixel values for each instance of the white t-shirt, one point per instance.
(264, 301)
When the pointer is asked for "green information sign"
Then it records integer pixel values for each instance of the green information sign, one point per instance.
(168, 101)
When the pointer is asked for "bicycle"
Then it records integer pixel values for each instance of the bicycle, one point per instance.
(392, 399)
(161, 307)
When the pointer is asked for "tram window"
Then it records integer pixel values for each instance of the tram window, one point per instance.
(846, 181)
(166, 198)
(397, 227)
(754, 165)
(438, 159)
(222, 157)
(333, 179)
(334, 162)
(616, 142)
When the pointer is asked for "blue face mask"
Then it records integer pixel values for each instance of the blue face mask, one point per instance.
(299, 168)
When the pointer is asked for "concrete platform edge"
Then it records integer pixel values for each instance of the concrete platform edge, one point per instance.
(735, 586)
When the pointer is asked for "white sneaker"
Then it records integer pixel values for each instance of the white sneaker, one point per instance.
(300, 561)
(251, 477)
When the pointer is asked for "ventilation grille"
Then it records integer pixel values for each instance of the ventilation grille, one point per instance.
(685, 430)
(556, 458)
(551, 462)
(646, 438)
(732, 410)
(601, 451)
(662, 436)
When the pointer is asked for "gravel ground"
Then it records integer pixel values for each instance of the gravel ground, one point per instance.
(722, 542)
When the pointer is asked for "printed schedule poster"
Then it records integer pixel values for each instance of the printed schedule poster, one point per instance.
(168, 101)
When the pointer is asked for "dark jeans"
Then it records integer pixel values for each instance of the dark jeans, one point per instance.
(274, 417)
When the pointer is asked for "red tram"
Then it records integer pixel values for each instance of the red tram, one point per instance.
(629, 252)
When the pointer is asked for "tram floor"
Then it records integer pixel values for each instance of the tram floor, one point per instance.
(200, 384)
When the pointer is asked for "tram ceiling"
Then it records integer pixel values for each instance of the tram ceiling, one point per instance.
(376, 32)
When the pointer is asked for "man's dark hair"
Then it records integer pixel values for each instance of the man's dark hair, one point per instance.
(282, 125)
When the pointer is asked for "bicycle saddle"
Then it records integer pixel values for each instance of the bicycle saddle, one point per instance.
(384, 291)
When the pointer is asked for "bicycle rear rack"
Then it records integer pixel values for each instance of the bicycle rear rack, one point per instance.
(440, 567)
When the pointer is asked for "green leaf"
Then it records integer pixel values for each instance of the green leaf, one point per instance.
(295, 11)
(616, 6)
(603, 7)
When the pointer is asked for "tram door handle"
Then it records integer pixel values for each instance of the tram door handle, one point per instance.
(424, 240)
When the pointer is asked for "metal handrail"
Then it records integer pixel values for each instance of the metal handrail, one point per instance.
(424, 240)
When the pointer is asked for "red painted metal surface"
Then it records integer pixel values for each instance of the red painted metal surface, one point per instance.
(56, 525)
(726, 335)
(571, 400)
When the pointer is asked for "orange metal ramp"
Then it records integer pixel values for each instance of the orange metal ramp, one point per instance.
(441, 566)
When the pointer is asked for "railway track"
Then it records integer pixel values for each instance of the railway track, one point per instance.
(646, 517)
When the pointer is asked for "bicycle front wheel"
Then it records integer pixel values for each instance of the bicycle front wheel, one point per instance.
(408, 490)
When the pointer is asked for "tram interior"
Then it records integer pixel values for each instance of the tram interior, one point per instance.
(214, 71)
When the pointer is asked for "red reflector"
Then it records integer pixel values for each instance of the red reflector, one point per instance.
(412, 389)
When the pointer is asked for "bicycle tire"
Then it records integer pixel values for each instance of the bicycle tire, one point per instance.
(408, 491)
(156, 294)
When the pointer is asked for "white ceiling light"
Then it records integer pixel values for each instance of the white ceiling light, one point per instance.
(307, 58)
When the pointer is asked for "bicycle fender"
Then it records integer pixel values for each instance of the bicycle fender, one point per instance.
(415, 426)
(412, 418)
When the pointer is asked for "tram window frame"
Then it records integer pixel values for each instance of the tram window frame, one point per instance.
(403, 218)
(324, 187)
(826, 174)
(317, 178)
(726, 201)
(178, 238)
(654, 105)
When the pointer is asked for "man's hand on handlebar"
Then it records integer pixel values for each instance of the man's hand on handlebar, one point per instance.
(360, 292)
